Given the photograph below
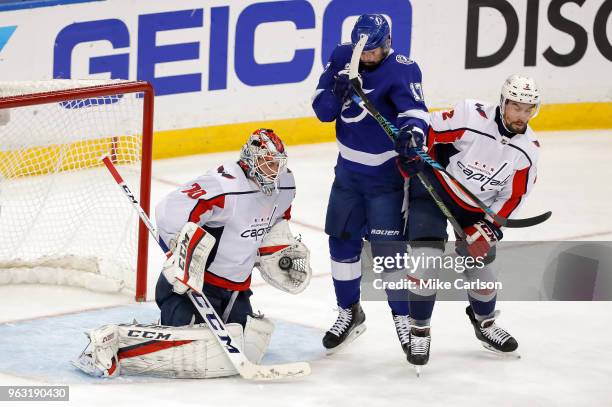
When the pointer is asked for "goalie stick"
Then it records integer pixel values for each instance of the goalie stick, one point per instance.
(392, 132)
(246, 368)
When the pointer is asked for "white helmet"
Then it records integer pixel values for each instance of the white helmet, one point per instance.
(262, 149)
(520, 89)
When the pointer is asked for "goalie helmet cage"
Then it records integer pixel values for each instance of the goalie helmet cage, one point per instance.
(62, 218)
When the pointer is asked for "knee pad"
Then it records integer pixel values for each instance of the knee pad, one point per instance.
(344, 251)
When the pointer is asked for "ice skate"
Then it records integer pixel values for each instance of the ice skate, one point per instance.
(346, 329)
(493, 337)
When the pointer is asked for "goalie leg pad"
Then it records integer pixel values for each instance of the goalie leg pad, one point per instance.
(175, 352)
(5, 116)
(157, 350)
(257, 336)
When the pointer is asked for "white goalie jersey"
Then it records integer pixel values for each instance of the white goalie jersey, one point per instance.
(230, 207)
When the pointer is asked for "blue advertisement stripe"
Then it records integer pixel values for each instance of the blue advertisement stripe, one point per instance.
(9, 5)
(5, 34)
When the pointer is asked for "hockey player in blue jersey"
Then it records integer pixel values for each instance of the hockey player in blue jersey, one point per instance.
(368, 191)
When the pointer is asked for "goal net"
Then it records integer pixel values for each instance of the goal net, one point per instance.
(63, 219)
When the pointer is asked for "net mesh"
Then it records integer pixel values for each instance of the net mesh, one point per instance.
(61, 213)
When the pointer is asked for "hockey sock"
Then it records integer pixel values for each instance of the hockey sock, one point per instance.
(421, 307)
(400, 307)
(482, 310)
(347, 280)
(347, 292)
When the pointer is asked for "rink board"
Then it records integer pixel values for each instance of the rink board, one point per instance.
(175, 143)
(223, 68)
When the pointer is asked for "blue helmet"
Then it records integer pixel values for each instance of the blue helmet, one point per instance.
(376, 27)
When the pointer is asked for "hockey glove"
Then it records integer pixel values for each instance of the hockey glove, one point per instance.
(481, 237)
(408, 139)
(284, 261)
(342, 85)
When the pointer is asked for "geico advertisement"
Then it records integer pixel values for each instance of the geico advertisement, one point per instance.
(210, 62)
(219, 62)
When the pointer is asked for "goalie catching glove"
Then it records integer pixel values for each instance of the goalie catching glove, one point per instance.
(185, 268)
(284, 261)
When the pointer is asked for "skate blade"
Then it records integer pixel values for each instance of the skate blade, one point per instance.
(417, 370)
(349, 338)
(508, 355)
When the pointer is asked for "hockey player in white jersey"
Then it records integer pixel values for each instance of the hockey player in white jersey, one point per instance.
(215, 229)
(491, 150)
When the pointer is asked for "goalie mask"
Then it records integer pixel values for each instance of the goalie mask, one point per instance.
(264, 158)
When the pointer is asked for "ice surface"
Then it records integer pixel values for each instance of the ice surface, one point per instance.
(565, 346)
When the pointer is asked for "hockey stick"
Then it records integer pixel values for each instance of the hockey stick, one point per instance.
(246, 368)
(353, 77)
(392, 132)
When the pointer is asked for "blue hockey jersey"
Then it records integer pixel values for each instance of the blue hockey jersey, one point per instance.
(394, 87)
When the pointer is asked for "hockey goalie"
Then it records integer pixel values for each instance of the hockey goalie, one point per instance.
(215, 229)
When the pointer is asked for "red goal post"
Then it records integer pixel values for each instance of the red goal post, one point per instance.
(53, 132)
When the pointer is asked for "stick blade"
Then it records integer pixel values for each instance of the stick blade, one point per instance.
(524, 223)
(356, 56)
